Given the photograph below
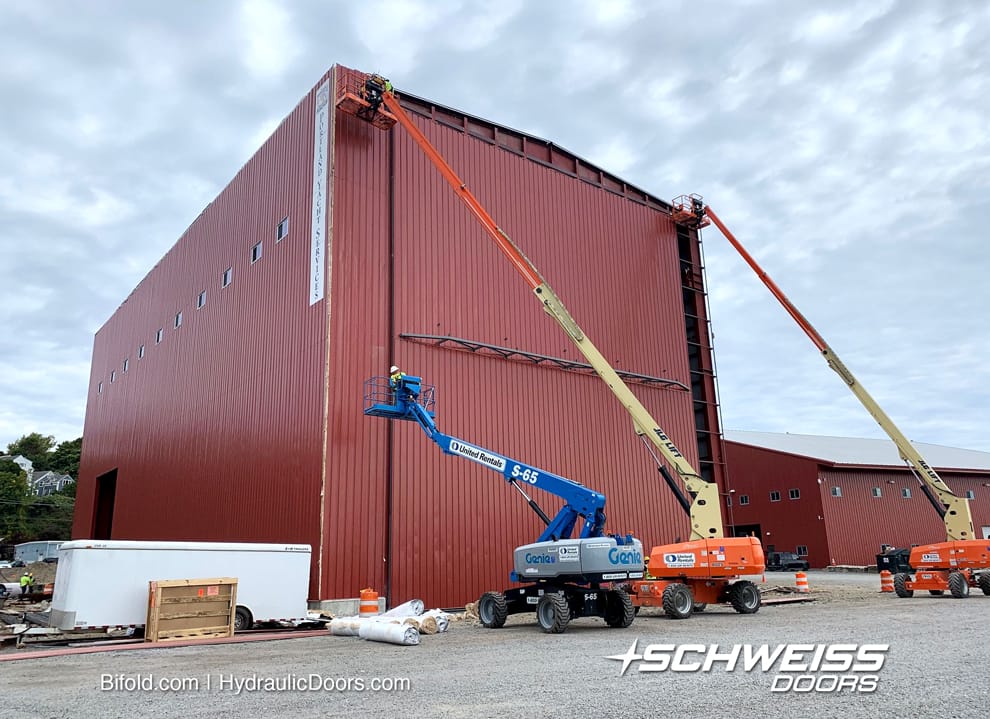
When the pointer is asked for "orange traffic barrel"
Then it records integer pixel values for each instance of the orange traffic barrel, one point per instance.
(369, 603)
(886, 581)
(801, 582)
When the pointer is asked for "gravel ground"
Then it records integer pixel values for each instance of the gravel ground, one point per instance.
(519, 671)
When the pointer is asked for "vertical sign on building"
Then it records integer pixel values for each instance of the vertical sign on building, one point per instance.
(320, 152)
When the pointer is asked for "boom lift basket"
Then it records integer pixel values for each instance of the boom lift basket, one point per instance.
(381, 399)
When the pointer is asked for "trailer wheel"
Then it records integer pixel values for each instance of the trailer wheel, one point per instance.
(984, 582)
(677, 601)
(492, 610)
(553, 613)
(745, 597)
(958, 586)
(699, 607)
(242, 619)
(936, 592)
(619, 609)
(900, 586)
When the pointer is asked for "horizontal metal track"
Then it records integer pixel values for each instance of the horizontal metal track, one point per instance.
(508, 353)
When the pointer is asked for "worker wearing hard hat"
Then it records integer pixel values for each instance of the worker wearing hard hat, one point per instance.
(395, 376)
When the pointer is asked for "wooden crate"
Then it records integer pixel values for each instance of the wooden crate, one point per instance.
(190, 608)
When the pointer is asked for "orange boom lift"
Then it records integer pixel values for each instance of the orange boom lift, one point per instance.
(960, 562)
(682, 577)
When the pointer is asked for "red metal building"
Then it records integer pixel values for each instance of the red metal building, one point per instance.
(225, 397)
(836, 500)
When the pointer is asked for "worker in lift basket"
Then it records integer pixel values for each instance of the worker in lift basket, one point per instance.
(395, 377)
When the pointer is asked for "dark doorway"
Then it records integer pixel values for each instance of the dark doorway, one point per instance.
(106, 493)
(747, 530)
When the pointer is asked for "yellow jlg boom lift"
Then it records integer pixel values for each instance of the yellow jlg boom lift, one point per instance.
(685, 575)
(960, 562)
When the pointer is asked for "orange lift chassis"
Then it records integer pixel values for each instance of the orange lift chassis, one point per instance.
(684, 576)
(960, 562)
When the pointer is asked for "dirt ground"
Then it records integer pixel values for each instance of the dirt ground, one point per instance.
(44, 573)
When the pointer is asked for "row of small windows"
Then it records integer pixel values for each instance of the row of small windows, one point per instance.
(281, 232)
(835, 491)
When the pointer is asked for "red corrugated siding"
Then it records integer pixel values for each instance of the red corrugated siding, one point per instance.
(216, 432)
(755, 472)
(222, 438)
(858, 523)
(614, 263)
(847, 529)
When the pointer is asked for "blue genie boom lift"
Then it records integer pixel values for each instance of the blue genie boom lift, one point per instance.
(562, 578)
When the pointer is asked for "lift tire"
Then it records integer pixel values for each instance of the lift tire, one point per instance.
(677, 601)
(492, 610)
(553, 613)
(936, 592)
(984, 582)
(900, 586)
(699, 607)
(745, 597)
(619, 609)
(242, 619)
(958, 586)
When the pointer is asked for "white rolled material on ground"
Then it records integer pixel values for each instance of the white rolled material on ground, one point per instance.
(441, 617)
(391, 633)
(412, 608)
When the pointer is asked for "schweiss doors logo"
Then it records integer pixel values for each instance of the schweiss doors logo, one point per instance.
(806, 668)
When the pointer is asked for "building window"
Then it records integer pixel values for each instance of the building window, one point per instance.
(906, 493)
(794, 493)
(178, 320)
(99, 388)
(775, 496)
(158, 336)
(743, 499)
(201, 300)
(836, 491)
(140, 351)
(970, 494)
(113, 376)
(802, 550)
(228, 276)
(283, 229)
(256, 253)
(877, 492)
(127, 363)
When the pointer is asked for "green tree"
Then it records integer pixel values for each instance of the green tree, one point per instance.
(50, 517)
(65, 458)
(14, 498)
(35, 447)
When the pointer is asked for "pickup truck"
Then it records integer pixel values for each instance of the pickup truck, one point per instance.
(783, 561)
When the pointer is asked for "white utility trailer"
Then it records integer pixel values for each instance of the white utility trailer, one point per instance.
(104, 583)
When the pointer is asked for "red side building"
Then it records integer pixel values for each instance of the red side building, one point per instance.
(225, 401)
(837, 500)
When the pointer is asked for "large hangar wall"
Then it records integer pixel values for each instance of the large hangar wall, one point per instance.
(215, 434)
(615, 263)
(245, 423)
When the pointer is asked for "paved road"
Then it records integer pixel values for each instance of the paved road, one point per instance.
(935, 667)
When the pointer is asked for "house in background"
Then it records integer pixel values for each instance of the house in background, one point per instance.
(46, 483)
(838, 500)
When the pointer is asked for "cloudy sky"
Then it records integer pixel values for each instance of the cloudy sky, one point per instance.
(844, 143)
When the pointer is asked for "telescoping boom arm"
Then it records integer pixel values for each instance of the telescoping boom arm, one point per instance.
(953, 509)
(580, 503)
(705, 512)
